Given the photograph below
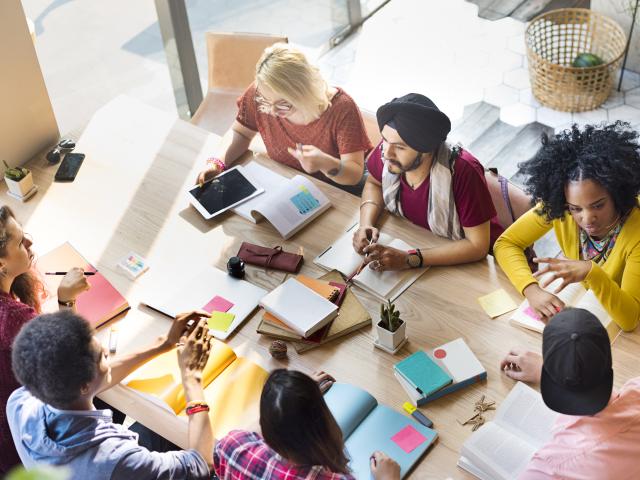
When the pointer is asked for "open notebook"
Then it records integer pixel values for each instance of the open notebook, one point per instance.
(201, 292)
(385, 285)
(502, 448)
(573, 295)
(99, 304)
(288, 204)
(233, 386)
(368, 426)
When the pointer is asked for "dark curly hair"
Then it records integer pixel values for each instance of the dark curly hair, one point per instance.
(53, 357)
(608, 154)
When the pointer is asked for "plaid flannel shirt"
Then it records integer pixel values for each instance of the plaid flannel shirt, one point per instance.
(245, 455)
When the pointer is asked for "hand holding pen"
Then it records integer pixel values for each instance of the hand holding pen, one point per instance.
(364, 260)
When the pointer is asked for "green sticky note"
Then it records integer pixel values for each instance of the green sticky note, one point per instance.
(220, 321)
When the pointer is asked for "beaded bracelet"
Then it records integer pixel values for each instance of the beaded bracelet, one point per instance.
(216, 162)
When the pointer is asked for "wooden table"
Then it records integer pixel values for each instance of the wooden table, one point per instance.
(129, 195)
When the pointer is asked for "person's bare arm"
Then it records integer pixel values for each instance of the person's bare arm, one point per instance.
(371, 206)
(474, 247)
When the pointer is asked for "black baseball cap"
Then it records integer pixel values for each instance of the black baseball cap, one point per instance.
(577, 377)
(418, 120)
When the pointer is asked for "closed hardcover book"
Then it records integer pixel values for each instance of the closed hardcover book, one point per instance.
(455, 358)
(299, 307)
(422, 373)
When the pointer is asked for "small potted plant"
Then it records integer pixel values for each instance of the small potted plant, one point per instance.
(19, 181)
(391, 328)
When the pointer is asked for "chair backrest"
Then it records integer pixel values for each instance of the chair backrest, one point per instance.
(233, 57)
(371, 126)
(520, 201)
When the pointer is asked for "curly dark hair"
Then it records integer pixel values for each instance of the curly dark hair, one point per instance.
(608, 154)
(53, 357)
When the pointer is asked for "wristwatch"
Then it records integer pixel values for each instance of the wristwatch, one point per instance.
(68, 304)
(414, 260)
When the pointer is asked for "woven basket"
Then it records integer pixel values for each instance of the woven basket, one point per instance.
(554, 39)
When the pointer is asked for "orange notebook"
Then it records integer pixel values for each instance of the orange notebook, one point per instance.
(100, 303)
(321, 288)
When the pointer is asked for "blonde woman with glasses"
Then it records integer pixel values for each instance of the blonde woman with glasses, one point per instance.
(303, 122)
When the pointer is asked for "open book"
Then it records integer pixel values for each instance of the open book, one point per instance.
(288, 204)
(573, 295)
(385, 285)
(502, 448)
(99, 304)
(367, 427)
(233, 386)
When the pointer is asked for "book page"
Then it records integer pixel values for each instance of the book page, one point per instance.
(260, 176)
(388, 284)
(498, 453)
(293, 205)
(590, 302)
(349, 406)
(524, 413)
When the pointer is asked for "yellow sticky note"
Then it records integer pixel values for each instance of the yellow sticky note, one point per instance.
(497, 303)
(220, 321)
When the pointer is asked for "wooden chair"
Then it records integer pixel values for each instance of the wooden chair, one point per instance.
(371, 126)
(232, 67)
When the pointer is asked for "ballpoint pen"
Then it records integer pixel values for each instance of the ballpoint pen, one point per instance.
(362, 265)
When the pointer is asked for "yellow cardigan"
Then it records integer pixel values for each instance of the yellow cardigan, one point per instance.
(616, 283)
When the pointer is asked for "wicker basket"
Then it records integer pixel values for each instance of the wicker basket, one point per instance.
(554, 39)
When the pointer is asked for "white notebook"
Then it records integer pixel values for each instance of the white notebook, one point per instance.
(385, 285)
(199, 291)
(573, 295)
(302, 309)
(288, 204)
(502, 448)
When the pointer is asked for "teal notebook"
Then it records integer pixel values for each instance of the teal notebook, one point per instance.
(367, 426)
(422, 373)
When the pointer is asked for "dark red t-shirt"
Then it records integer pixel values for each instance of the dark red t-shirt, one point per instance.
(471, 195)
(13, 315)
(339, 130)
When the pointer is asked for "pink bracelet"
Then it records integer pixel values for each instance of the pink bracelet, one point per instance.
(213, 161)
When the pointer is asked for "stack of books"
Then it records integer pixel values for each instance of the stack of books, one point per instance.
(351, 315)
(426, 376)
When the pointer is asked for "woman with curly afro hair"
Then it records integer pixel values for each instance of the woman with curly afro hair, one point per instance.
(587, 183)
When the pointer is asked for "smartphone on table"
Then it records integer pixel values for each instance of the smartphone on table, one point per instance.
(69, 167)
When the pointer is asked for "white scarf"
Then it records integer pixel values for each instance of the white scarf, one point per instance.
(442, 215)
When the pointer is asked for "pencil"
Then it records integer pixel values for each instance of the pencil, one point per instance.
(64, 273)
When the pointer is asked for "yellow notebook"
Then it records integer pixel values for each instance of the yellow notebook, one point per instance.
(233, 386)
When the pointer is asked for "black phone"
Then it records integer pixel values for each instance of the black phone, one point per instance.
(69, 167)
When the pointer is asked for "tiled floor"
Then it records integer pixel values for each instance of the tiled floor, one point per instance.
(437, 47)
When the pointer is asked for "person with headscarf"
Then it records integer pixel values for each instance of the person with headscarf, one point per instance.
(416, 174)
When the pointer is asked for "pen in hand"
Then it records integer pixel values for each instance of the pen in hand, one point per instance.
(363, 264)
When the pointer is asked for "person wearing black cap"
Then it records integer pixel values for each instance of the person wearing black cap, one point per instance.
(597, 434)
(416, 174)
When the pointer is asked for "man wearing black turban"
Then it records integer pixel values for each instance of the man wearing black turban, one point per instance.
(416, 174)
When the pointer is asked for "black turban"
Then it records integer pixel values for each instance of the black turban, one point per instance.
(417, 120)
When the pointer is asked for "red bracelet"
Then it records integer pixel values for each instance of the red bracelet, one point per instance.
(214, 161)
(197, 409)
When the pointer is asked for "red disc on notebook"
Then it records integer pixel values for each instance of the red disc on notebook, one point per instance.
(439, 353)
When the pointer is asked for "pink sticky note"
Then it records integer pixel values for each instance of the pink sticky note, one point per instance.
(218, 304)
(531, 313)
(408, 438)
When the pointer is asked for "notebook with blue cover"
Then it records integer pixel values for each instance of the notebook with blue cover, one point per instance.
(422, 373)
(367, 427)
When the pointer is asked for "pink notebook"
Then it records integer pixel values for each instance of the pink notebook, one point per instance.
(100, 303)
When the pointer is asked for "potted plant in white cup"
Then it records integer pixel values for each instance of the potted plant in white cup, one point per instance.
(392, 330)
(19, 181)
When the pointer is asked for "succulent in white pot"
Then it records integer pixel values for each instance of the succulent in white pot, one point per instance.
(392, 330)
(19, 180)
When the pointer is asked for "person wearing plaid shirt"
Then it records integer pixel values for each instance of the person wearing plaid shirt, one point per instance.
(300, 438)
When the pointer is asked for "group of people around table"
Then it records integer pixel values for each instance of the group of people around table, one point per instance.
(584, 184)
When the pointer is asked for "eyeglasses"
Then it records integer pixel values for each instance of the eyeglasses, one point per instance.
(66, 145)
(281, 106)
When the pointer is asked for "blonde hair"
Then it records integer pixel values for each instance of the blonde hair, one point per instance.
(287, 72)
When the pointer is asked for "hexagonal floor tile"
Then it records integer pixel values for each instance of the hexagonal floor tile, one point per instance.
(553, 118)
(526, 97)
(516, 44)
(626, 113)
(591, 117)
(630, 80)
(518, 78)
(518, 114)
(505, 60)
(615, 100)
(632, 97)
(501, 95)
